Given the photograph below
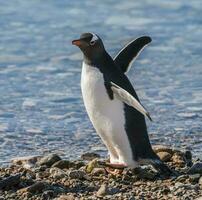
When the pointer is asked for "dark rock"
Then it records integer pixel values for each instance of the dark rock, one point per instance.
(49, 160)
(144, 173)
(10, 181)
(98, 171)
(194, 178)
(164, 156)
(196, 168)
(63, 164)
(48, 194)
(36, 187)
(90, 156)
(77, 174)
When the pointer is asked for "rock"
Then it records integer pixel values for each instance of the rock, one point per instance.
(196, 168)
(164, 156)
(178, 159)
(194, 178)
(97, 171)
(144, 173)
(57, 173)
(77, 174)
(181, 178)
(27, 161)
(10, 181)
(102, 191)
(49, 160)
(90, 156)
(63, 164)
(66, 197)
(91, 165)
(200, 182)
(48, 194)
(162, 148)
(36, 187)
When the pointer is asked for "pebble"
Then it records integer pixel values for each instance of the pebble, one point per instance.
(91, 165)
(162, 148)
(36, 187)
(102, 190)
(63, 164)
(194, 178)
(48, 194)
(77, 174)
(89, 156)
(98, 171)
(200, 182)
(49, 160)
(57, 173)
(10, 181)
(196, 168)
(27, 161)
(164, 156)
(66, 197)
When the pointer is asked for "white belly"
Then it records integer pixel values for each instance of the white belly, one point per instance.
(107, 116)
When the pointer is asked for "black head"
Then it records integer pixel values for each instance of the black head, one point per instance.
(91, 46)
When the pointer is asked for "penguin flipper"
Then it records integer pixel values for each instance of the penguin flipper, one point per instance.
(130, 52)
(127, 98)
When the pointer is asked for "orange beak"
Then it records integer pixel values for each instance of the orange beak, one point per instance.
(76, 42)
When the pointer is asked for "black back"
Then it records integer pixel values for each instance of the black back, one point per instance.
(135, 124)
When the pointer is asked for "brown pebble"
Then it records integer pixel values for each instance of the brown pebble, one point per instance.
(164, 156)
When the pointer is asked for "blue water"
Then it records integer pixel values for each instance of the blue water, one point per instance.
(41, 108)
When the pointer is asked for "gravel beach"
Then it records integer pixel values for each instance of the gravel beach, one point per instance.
(50, 177)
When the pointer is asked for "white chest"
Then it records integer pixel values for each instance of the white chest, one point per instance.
(106, 115)
(96, 100)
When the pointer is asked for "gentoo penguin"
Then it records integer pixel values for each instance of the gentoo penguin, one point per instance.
(113, 105)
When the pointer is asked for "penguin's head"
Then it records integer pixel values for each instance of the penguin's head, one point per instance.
(91, 45)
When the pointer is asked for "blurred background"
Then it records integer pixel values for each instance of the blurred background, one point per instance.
(41, 108)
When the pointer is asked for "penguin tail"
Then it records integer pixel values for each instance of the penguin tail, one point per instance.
(161, 167)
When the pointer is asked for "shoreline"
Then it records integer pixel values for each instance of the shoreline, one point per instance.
(50, 177)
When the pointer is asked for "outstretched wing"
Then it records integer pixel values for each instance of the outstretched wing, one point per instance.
(130, 52)
(127, 98)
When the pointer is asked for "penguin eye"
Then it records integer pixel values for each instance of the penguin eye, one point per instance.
(92, 42)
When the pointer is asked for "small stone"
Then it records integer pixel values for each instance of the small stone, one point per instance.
(48, 194)
(63, 164)
(102, 191)
(97, 171)
(36, 187)
(194, 178)
(90, 156)
(91, 165)
(27, 161)
(196, 168)
(10, 181)
(49, 160)
(57, 173)
(200, 182)
(66, 197)
(178, 159)
(181, 178)
(77, 174)
(162, 148)
(164, 156)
